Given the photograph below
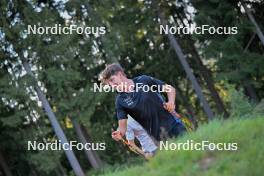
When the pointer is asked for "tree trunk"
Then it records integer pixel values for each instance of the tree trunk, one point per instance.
(62, 170)
(249, 88)
(90, 154)
(188, 71)
(205, 72)
(252, 19)
(55, 124)
(90, 139)
(57, 172)
(250, 92)
(207, 75)
(4, 165)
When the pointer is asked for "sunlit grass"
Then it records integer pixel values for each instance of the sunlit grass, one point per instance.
(247, 160)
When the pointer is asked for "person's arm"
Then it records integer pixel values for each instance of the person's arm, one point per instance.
(122, 121)
(171, 94)
(170, 90)
(122, 127)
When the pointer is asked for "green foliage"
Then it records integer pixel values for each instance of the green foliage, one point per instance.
(47, 161)
(132, 162)
(239, 103)
(66, 66)
(259, 109)
(237, 58)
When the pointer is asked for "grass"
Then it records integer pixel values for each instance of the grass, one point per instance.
(246, 160)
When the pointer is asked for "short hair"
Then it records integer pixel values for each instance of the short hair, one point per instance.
(109, 71)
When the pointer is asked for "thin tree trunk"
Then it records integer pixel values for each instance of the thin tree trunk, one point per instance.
(250, 91)
(252, 19)
(55, 124)
(89, 153)
(60, 167)
(249, 88)
(4, 165)
(205, 72)
(90, 139)
(188, 71)
(207, 75)
(57, 171)
(249, 42)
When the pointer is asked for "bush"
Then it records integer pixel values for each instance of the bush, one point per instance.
(240, 106)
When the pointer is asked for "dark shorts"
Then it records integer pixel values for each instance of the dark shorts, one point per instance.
(177, 130)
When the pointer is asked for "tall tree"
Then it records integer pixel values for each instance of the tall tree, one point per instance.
(253, 21)
(91, 155)
(56, 126)
(179, 14)
(232, 63)
(187, 69)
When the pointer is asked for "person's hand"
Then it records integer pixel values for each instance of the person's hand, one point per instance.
(116, 135)
(169, 106)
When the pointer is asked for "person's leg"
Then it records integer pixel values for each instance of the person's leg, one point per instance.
(177, 130)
